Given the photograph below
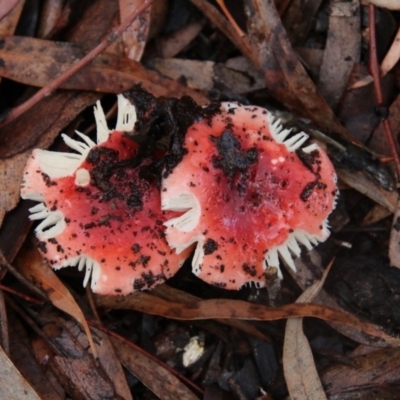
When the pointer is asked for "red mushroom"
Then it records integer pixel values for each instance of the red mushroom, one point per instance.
(249, 194)
(98, 216)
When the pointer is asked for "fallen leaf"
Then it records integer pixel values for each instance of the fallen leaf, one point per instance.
(156, 378)
(31, 265)
(343, 43)
(8, 22)
(172, 44)
(51, 13)
(390, 4)
(171, 294)
(6, 7)
(13, 385)
(392, 56)
(112, 366)
(360, 181)
(237, 309)
(36, 62)
(299, 369)
(377, 213)
(135, 36)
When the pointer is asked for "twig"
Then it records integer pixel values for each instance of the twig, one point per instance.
(228, 15)
(375, 72)
(48, 89)
(21, 295)
(140, 350)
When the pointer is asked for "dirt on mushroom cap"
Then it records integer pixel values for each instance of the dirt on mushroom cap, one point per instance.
(253, 193)
(104, 217)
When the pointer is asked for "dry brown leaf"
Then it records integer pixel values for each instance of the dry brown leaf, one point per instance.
(156, 378)
(390, 4)
(51, 13)
(377, 213)
(36, 62)
(135, 37)
(373, 371)
(31, 265)
(299, 368)
(343, 44)
(6, 7)
(171, 45)
(8, 23)
(237, 309)
(13, 385)
(113, 367)
(171, 294)
(392, 56)
(364, 184)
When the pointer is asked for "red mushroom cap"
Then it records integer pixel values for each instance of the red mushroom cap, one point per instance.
(98, 216)
(248, 194)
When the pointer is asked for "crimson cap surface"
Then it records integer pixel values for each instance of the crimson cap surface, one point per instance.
(249, 195)
(101, 218)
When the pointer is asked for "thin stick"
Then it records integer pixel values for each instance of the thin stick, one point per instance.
(21, 295)
(375, 72)
(57, 82)
(228, 15)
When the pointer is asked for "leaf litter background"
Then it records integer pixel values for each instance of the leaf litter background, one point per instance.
(327, 67)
